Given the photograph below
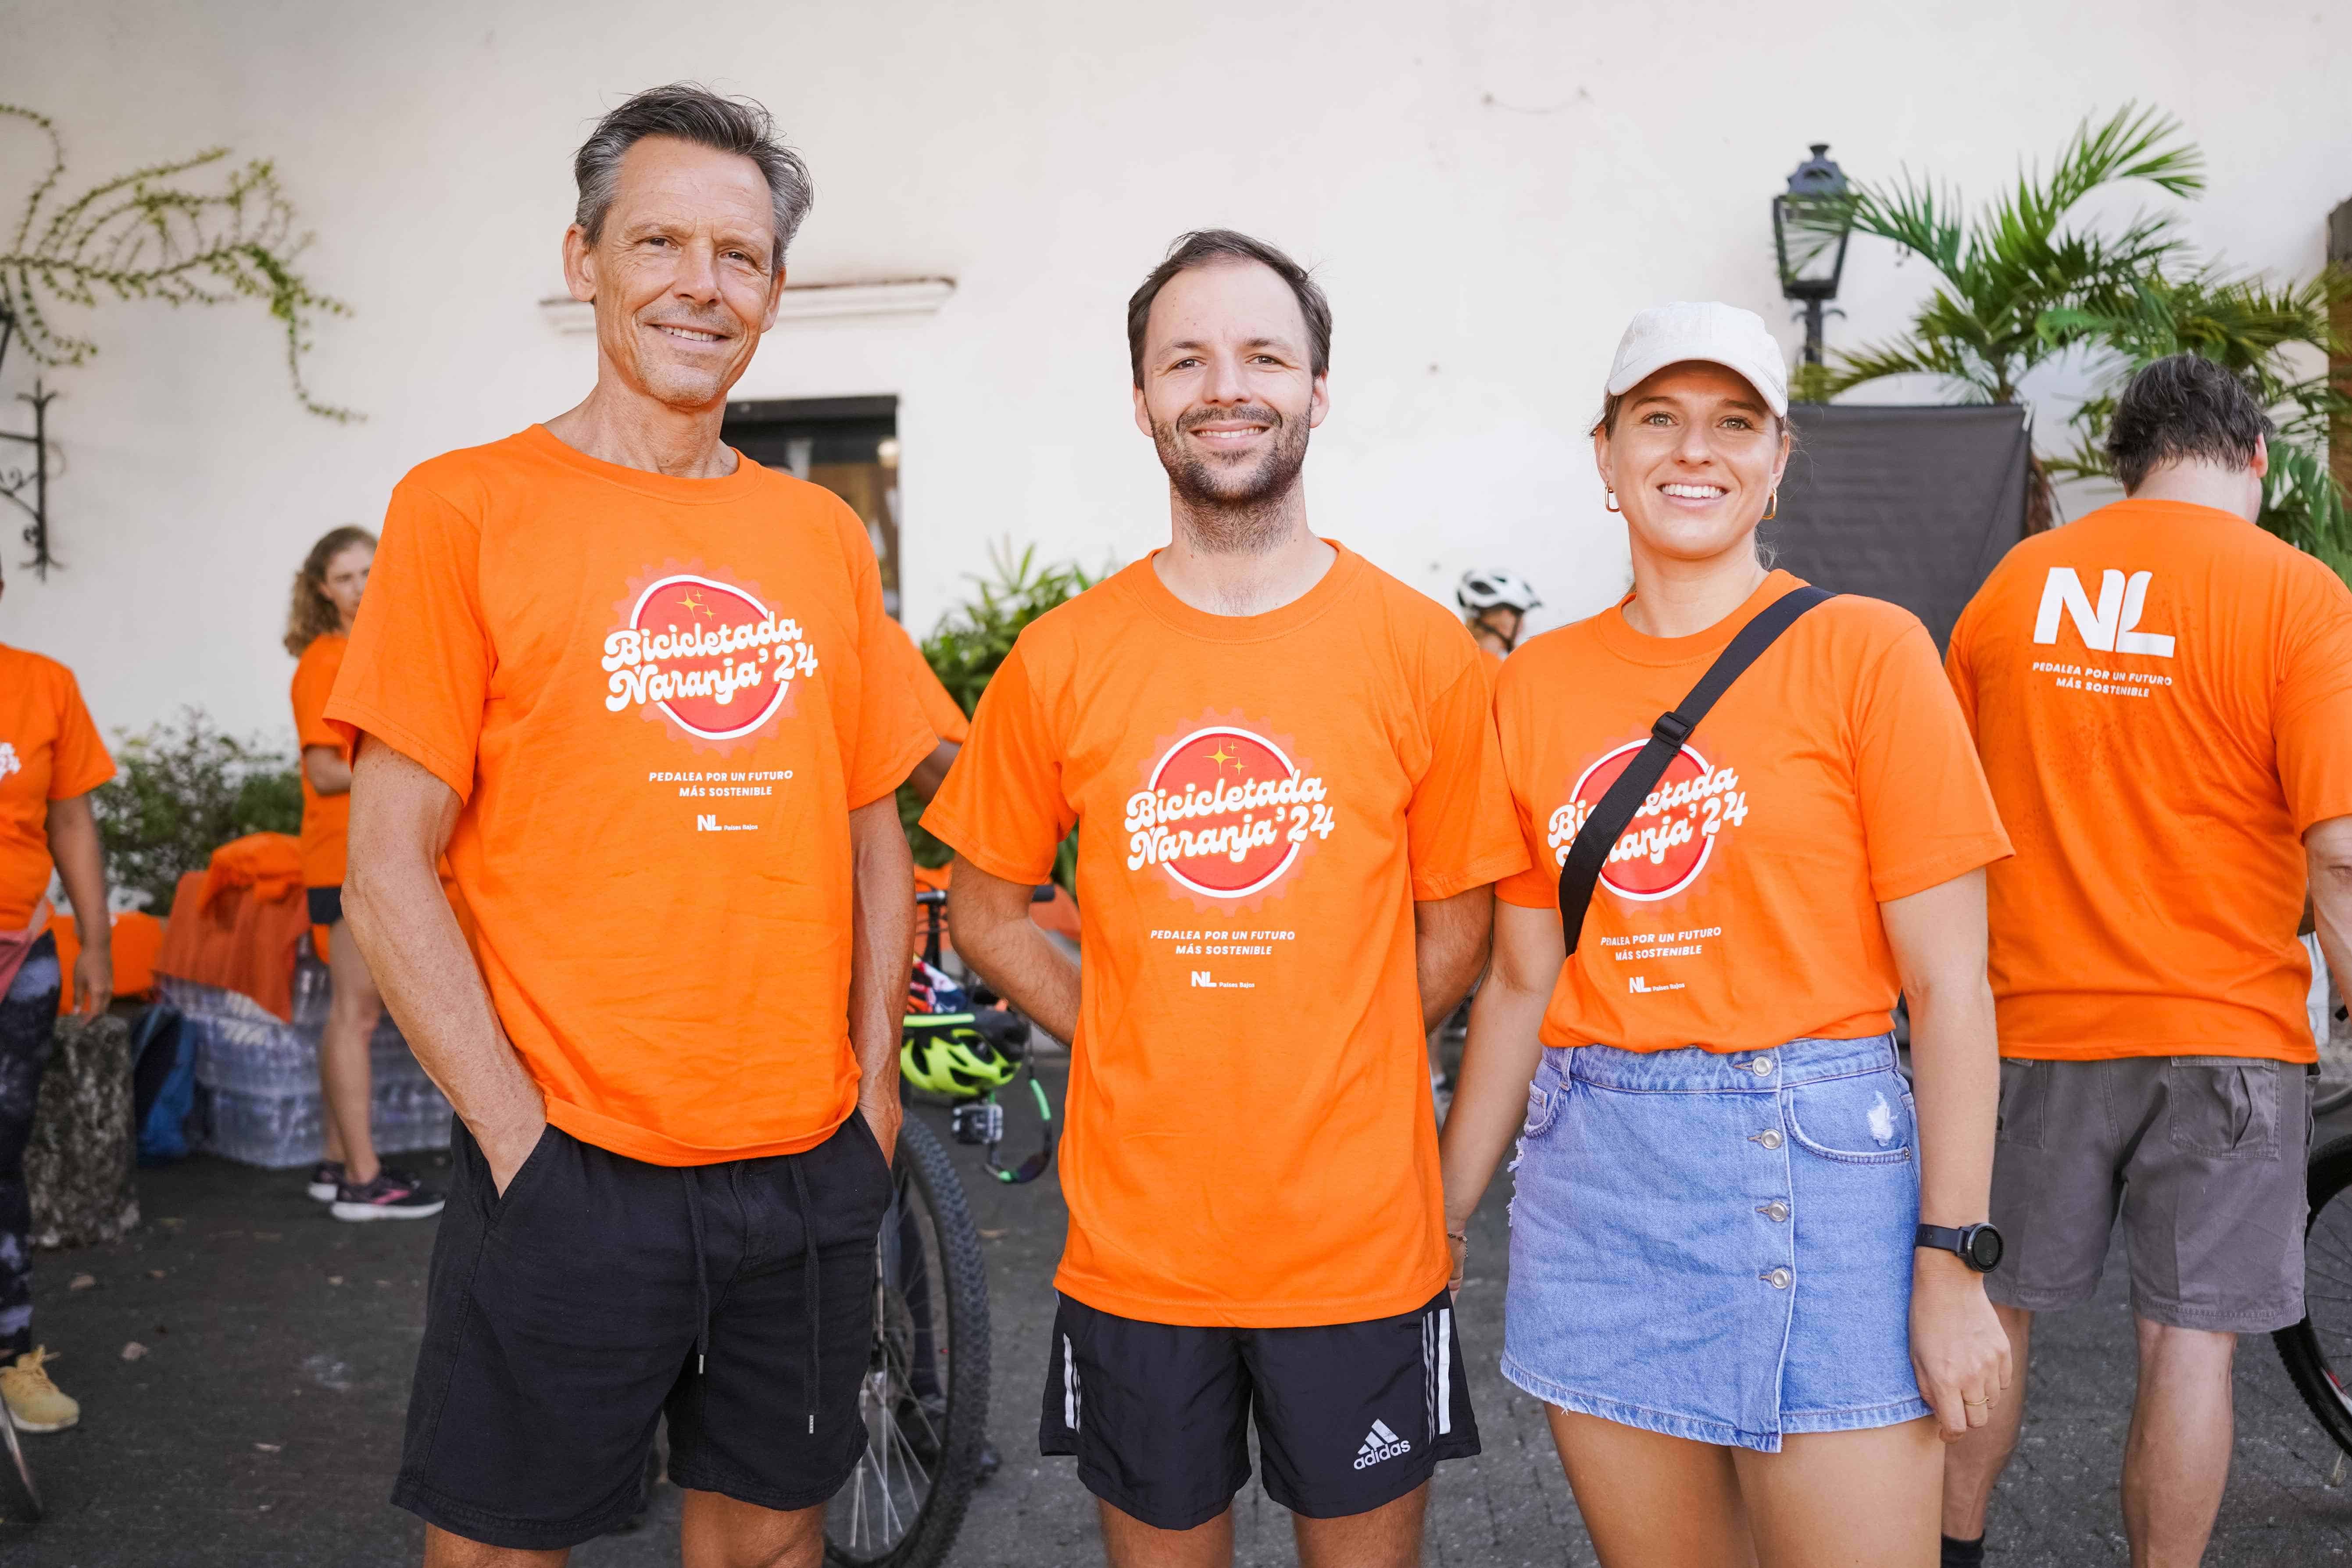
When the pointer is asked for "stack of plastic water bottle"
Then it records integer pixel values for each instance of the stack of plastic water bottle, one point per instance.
(257, 1077)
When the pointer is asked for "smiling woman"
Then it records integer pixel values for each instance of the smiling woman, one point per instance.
(1701, 1069)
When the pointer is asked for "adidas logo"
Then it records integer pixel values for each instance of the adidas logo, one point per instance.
(1381, 1444)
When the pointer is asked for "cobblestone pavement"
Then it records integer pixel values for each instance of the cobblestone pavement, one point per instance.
(261, 1426)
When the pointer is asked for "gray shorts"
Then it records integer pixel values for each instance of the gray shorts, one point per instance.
(2202, 1156)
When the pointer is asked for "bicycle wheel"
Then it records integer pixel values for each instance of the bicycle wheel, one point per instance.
(925, 1397)
(2318, 1350)
(2329, 1096)
(19, 1500)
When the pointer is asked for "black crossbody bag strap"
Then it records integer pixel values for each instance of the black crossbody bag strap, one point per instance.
(1610, 819)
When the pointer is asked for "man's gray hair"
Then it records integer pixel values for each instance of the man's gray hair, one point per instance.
(692, 113)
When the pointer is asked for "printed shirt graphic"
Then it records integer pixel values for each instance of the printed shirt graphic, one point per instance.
(658, 699)
(50, 751)
(326, 818)
(1739, 910)
(2162, 695)
(1259, 800)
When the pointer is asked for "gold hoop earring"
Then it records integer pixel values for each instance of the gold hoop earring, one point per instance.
(1772, 508)
(1612, 502)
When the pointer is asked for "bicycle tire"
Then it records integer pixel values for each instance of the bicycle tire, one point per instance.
(2332, 1101)
(2326, 1394)
(20, 1501)
(929, 1189)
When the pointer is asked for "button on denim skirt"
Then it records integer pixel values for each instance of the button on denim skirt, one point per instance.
(1718, 1247)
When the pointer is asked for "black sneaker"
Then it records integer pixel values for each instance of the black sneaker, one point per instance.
(394, 1195)
(325, 1177)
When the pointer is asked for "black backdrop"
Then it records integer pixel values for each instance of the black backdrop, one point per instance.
(1912, 504)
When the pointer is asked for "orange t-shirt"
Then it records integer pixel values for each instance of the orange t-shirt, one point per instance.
(326, 818)
(50, 751)
(940, 710)
(1260, 800)
(2162, 694)
(1741, 911)
(658, 699)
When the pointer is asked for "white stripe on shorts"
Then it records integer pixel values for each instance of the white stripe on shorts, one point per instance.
(1444, 1371)
(1069, 1386)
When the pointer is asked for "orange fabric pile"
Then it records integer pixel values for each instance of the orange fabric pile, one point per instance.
(238, 924)
(138, 938)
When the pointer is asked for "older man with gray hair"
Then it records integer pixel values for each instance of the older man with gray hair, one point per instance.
(640, 691)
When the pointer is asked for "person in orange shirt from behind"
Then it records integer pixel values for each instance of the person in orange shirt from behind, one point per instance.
(2162, 696)
(318, 629)
(1291, 812)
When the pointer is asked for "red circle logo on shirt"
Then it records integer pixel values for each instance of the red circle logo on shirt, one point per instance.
(707, 654)
(1667, 844)
(1225, 812)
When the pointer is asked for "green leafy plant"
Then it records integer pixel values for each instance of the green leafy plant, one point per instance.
(968, 646)
(149, 235)
(2254, 329)
(2006, 267)
(182, 790)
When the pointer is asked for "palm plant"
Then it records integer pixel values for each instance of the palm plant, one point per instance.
(2253, 329)
(2003, 268)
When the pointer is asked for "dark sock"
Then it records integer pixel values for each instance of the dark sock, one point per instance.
(1964, 1554)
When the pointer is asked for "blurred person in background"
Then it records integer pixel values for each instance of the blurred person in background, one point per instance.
(318, 629)
(1495, 605)
(50, 759)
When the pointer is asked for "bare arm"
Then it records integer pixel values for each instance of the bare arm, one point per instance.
(882, 938)
(401, 820)
(1499, 1062)
(1957, 1348)
(988, 918)
(2328, 847)
(325, 768)
(932, 771)
(1450, 941)
(75, 846)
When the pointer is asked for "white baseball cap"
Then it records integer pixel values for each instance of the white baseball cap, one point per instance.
(1717, 334)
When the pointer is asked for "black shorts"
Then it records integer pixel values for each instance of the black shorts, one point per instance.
(1349, 1416)
(326, 905)
(562, 1321)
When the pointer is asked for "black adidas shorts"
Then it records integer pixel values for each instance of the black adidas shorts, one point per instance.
(566, 1317)
(1349, 1416)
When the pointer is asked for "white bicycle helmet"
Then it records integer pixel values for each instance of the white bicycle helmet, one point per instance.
(1485, 589)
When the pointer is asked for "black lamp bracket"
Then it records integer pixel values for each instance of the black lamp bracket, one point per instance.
(14, 480)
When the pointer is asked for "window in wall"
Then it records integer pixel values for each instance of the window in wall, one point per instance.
(848, 444)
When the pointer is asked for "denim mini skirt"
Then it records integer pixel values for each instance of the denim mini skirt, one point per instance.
(1718, 1247)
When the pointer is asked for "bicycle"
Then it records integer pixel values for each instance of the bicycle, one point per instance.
(924, 1401)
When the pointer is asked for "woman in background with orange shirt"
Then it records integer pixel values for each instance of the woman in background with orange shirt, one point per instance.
(318, 629)
(1713, 1286)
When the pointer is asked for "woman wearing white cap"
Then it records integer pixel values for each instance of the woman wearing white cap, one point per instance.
(1745, 1273)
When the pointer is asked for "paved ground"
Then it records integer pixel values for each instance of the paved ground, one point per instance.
(261, 1427)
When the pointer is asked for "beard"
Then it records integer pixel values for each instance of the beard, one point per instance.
(1234, 507)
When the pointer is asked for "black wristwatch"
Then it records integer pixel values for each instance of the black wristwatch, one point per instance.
(1978, 1245)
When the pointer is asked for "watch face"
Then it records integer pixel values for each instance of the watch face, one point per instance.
(1984, 1248)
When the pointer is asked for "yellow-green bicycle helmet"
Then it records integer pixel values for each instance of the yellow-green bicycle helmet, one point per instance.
(949, 1053)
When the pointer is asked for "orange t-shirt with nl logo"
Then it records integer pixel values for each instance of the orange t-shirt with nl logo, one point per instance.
(2162, 695)
(1259, 800)
(1739, 910)
(658, 699)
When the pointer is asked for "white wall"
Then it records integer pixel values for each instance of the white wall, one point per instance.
(1488, 189)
